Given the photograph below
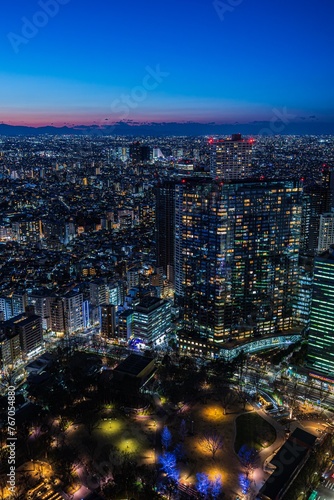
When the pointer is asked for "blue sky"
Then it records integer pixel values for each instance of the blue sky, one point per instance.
(233, 60)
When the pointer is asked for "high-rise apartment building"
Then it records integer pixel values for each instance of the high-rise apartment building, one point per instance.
(116, 293)
(19, 302)
(98, 292)
(73, 313)
(6, 307)
(29, 329)
(125, 324)
(326, 232)
(236, 256)
(231, 159)
(165, 226)
(41, 300)
(327, 181)
(317, 199)
(57, 315)
(108, 321)
(10, 348)
(321, 342)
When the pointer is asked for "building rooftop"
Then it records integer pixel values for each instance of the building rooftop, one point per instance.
(287, 460)
(21, 319)
(149, 303)
(134, 364)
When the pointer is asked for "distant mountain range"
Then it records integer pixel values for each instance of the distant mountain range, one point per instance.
(178, 129)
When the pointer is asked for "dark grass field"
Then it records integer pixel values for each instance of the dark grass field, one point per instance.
(254, 431)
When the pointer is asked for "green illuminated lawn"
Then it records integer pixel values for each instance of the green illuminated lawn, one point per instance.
(111, 427)
(120, 434)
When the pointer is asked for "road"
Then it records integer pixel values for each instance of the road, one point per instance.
(325, 490)
(293, 388)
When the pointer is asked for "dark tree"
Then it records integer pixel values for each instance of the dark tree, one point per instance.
(203, 484)
(166, 438)
(248, 457)
(216, 487)
(212, 442)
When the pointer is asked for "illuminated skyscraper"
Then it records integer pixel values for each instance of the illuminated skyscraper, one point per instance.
(73, 312)
(321, 341)
(326, 232)
(317, 199)
(236, 256)
(165, 216)
(231, 159)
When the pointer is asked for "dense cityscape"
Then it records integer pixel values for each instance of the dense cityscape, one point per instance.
(166, 317)
(166, 250)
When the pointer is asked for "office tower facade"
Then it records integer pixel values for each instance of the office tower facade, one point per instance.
(165, 227)
(321, 343)
(326, 232)
(231, 159)
(108, 321)
(152, 321)
(236, 256)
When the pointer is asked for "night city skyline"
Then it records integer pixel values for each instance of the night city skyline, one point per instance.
(66, 62)
(167, 250)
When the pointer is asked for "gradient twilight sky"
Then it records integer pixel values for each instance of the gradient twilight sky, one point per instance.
(79, 66)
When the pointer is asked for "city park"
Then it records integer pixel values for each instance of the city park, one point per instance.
(191, 431)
